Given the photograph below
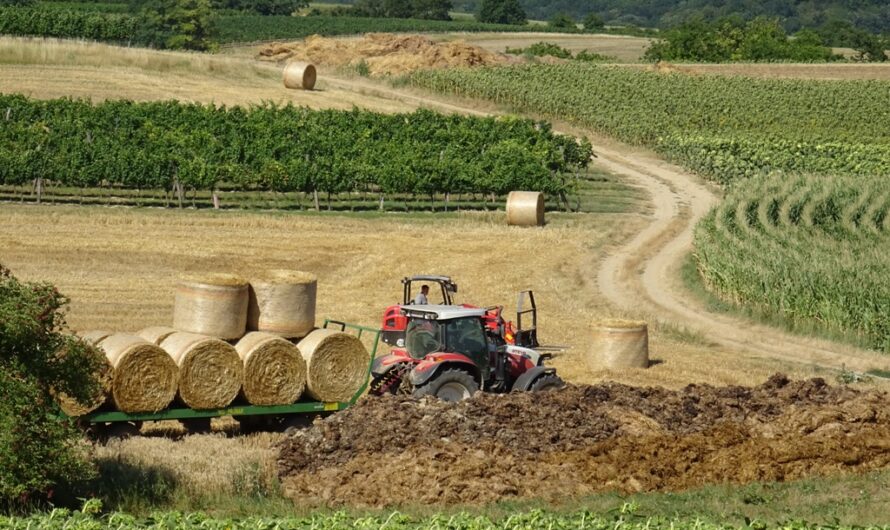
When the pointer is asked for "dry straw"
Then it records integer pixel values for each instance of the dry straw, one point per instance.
(283, 302)
(298, 74)
(525, 208)
(337, 364)
(72, 407)
(210, 371)
(214, 305)
(619, 344)
(144, 377)
(156, 334)
(274, 370)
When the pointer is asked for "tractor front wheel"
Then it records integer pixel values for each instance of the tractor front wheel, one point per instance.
(546, 383)
(450, 385)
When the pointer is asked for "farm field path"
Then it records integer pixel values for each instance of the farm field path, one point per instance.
(644, 273)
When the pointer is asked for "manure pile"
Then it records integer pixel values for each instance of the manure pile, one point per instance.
(383, 53)
(584, 439)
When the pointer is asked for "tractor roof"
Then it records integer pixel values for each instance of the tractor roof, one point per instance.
(427, 278)
(442, 312)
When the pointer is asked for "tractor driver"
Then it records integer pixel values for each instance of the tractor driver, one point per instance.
(421, 299)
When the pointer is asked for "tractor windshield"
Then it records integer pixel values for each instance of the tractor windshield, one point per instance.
(467, 336)
(422, 337)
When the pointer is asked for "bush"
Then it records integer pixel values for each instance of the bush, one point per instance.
(562, 21)
(263, 7)
(39, 448)
(593, 22)
(502, 12)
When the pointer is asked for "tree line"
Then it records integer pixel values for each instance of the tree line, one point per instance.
(169, 145)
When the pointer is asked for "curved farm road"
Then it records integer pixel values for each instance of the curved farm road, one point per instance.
(643, 274)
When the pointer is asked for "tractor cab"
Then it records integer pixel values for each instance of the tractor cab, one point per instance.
(449, 353)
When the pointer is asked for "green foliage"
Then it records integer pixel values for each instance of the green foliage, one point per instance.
(810, 249)
(17, 3)
(541, 49)
(593, 22)
(501, 12)
(151, 145)
(561, 21)
(871, 48)
(727, 40)
(422, 9)
(67, 24)
(177, 24)
(725, 128)
(39, 449)
(262, 7)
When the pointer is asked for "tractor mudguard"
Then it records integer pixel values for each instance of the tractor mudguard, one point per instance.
(382, 365)
(428, 369)
(526, 380)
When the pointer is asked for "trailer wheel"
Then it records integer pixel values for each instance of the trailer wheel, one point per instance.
(294, 423)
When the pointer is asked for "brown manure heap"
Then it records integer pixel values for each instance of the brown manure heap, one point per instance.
(584, 439)
(383, 53)
(144, 377)
(274, 370)
(210, 370)
(336, 364)
(283, 302)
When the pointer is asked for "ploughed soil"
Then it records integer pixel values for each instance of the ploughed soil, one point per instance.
(582, 439)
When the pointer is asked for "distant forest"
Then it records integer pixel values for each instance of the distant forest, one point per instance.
(871, 15)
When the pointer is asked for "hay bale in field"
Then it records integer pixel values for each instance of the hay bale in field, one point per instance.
(156, 334)
(619, 344)
(282, 302)
(274, 370)
(298, 74)
(210, 371)
(336, 364)
(525, 208)
(95, 336)
(72, 407)
(214, 305)
(144, 377)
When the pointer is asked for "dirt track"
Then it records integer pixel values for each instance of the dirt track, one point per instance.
(642, 276)
(584, 439)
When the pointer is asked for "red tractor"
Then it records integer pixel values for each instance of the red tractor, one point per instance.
(449, 352)
(395, 322)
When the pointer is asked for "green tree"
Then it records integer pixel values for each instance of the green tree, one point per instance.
(177, 24)
(562, 21)
(501, 12)
(869, 47)
(39, 448)
(593, 22)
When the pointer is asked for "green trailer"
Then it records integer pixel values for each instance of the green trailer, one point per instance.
(105, 424)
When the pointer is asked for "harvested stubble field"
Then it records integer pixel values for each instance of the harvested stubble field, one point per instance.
(584, 439)
(119, 267)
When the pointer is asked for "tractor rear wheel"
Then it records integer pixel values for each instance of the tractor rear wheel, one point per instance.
(546, 383)
(449, 385)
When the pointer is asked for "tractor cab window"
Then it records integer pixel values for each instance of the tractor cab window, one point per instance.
(422, 337)
(467, 336)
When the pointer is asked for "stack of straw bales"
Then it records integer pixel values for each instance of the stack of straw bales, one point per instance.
(196, 362)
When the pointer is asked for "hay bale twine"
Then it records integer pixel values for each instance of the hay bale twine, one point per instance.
(336, 364)
(298, 74)
(525, 208)
(144, 378)
(210, 371)
(156, 334)
(213, 305)
(282, 302)
(274, 370)
(70, 406)
(619, 344)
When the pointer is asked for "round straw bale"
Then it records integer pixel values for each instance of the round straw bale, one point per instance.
(156, 334)
(210, 371)
(336, 362)
(274, 370)
(96, 336)
(299, 75)
(72, 407)
(213, 305)
(144, 377)
(525, 208)
(283, 302)
(619, 344)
